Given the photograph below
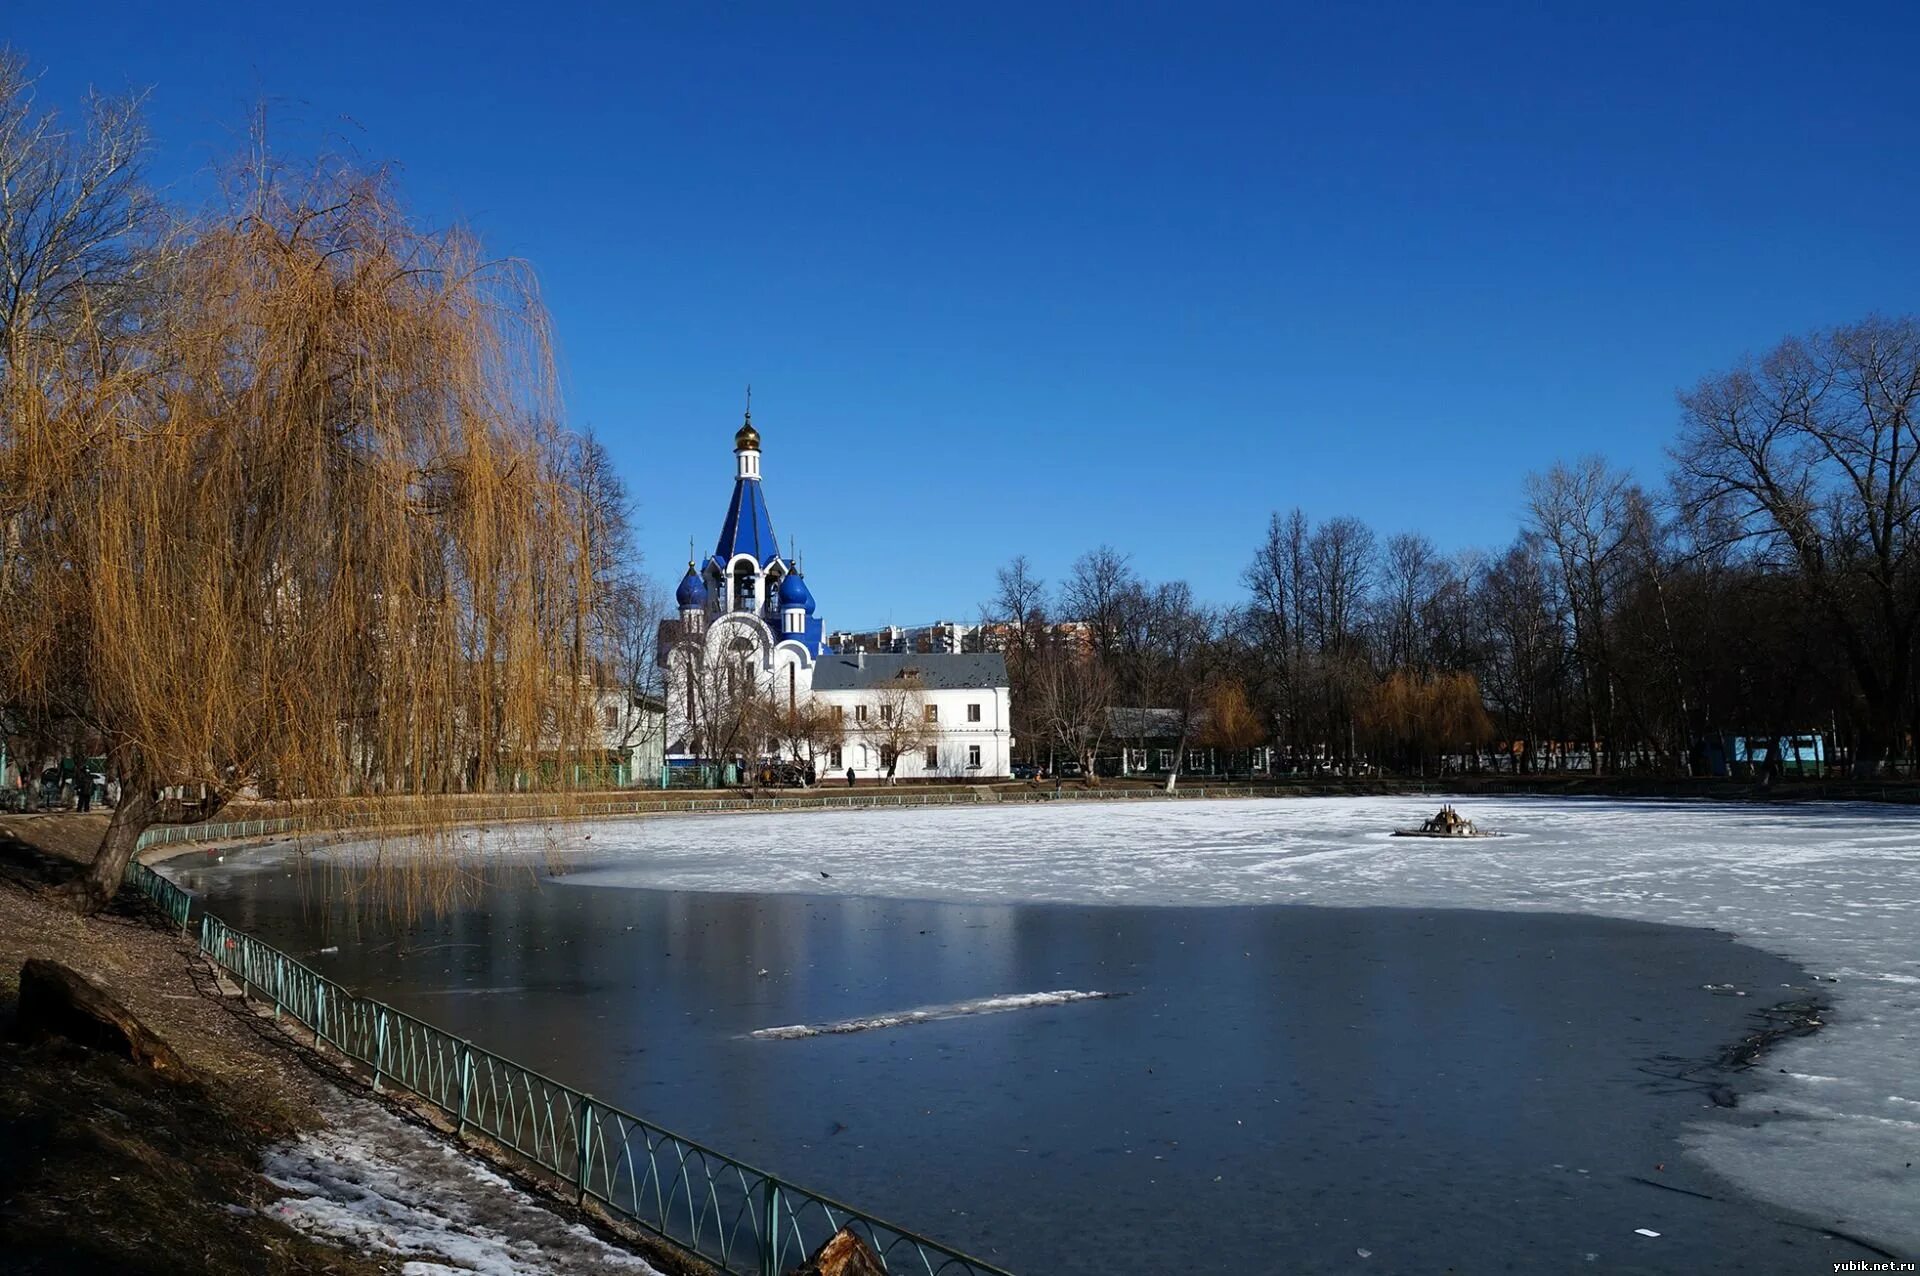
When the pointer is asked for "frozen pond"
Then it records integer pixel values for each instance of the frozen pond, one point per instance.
(1277, 1084)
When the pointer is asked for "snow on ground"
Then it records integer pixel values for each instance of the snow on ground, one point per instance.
(375, 1183)
(1834, 886)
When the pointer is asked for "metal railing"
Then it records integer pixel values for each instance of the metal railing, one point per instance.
(173, 900)
(742, 1219)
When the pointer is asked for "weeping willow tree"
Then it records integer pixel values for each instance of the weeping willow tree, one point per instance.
(1418, 718)
(305, 528)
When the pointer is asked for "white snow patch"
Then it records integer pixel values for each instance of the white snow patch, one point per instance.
(930, 1014)
(376, 1183)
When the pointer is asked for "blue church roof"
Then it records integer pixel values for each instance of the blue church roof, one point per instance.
(692, 591)
(794, 593)
(749, 528)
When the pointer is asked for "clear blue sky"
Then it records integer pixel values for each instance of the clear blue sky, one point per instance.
(1026, 278)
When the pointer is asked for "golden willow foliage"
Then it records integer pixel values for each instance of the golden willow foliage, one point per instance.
(309, 525)
(1230, 720)
(1420, 716)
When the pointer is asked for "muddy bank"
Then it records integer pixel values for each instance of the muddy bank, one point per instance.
(107, 1166)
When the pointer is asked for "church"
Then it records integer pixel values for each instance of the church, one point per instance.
(751, 679)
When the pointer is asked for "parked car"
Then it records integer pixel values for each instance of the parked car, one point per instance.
(1068, 771)
(1026, 771)
(787, 774)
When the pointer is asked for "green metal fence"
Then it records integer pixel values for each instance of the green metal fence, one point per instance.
(173, 900)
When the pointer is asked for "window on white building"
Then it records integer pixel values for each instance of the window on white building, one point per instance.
(933, 713)
(613, 717)
(833, 759)
(973, 713)
(886, 713)
(973, 757)
(933, 757)
(839, 713)
(859, 713)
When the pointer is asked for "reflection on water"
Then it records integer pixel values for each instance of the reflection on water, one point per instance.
(1278, 1088)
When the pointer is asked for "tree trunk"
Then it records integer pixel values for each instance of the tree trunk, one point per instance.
(135, 814)
(58, 1001)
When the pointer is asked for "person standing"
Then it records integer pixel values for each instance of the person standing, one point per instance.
(83, 789)
(849, 777)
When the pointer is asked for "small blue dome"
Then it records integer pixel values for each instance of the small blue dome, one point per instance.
(794, 593)
(692, 591)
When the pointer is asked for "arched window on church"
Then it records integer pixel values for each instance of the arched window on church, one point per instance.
(740, 668)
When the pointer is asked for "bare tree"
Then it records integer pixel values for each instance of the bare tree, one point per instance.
(896, 719)
(1019, 609)
(1525, 649)
(730, 714)
(630, 619)
(808, 730)
(1173, 669)
(1812, 455)
(77, 223)
(1074, 692)
(1580, 512)
(1097, 593)
(1339, 573)
(1340, 570)
(1276, 618)
(1412, 575)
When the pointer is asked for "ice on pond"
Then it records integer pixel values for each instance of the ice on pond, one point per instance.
(929, 1014)
(1833, 886)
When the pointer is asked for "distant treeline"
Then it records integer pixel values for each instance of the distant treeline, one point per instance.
(1768, 587)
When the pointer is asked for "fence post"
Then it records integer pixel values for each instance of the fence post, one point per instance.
(319, 1010)
(466, 1081)
(279, 979)
(583, 1145)
(770, 1245)
(379, 1044)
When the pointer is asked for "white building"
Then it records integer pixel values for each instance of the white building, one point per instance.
(747, 636)
(962, 699)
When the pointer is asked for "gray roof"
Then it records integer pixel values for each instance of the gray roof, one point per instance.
(938, 671)
(1147, 724)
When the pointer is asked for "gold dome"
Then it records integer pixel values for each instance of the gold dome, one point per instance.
(747, 439)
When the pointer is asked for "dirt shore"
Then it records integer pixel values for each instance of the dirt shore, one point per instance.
(106, 1167)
